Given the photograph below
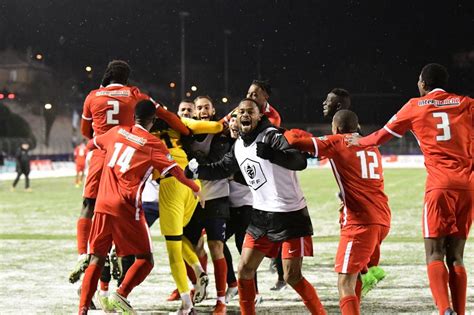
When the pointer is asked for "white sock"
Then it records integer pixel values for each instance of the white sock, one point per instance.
(103, 293)
(186, 300)
(221, 299)
(198, 269)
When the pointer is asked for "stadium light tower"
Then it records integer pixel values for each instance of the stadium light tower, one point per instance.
(182, 16)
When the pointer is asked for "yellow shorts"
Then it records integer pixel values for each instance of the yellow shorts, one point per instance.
(177, 204)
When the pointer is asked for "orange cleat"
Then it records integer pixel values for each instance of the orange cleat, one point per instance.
(174, 296)
(219, 309)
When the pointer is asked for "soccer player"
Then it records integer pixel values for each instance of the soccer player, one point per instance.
(104, 108)
(336, 100)
(177, 206)
(365, 219)
(80, 152)
(131, 154)
(260, 91)
(280, 217)
(22, 158)
(443, 125)
(186, 108)
(212, 217)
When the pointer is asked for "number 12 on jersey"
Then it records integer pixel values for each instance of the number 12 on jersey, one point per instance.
(124, 160)
(368, 168)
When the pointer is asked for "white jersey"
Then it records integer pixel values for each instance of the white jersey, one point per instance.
(150, 191)
(274, 188)
(211, 189)
(240, 195)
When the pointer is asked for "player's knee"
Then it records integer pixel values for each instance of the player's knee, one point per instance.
(292, 276)
(88, 205)
(454, 259)
(216, 248)
(245, 271)
(97, 260)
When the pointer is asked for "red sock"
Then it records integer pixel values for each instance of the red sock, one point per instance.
(458, 287)
(190, 273)
(438, 277)
(247, 296)
(220, 274)
(83, 231)
(309, 296)
(89, 285)
(349, 305)
(134, 276)
(358, 289)
(203, 261)
(104, 286)
(234, 285)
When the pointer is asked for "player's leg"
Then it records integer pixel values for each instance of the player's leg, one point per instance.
(27, 179)
(293, 251)
(253, 252)
(101, 241)
(15, 182)
(348, 301)
(215, 230)
(280, 284)
(439, 221)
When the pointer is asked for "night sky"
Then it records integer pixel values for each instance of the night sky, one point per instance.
(304, 47)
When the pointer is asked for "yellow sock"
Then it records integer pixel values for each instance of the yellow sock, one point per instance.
(178, 269)
(190, 256)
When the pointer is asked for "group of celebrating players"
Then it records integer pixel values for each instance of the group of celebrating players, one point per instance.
(237, 176)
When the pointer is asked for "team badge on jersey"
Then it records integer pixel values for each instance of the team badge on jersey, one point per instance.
(253, 174)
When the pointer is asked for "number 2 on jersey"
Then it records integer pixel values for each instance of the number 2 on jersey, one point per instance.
(444, 125)
(113, 111)
(368, 169)
(124, 160)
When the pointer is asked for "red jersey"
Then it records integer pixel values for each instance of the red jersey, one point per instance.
(443, 125)
(132, 154)
(111, 106)
(358, 173)
(272, 115)
(80, 153)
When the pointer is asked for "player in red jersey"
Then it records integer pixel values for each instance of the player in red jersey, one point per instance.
(111, 105)
(365, 219)
(260, 91)
(80, 152)
(442, 122)
(131, 154)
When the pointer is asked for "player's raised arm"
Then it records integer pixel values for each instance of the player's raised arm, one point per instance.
(202, 126)
(171, 119)
(222, 169)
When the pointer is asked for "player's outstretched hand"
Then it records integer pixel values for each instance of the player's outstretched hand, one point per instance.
(264, 151)
(353, 139)
(191, 171)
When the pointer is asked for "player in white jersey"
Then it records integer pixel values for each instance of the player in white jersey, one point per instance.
(280, 217)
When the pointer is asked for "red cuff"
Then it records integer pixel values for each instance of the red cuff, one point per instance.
(179, 174)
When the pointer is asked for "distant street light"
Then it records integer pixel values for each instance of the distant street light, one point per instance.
(88, 68)
(188, 94)
(224, 100)
(39, 56)
(194, 88)
(48, 106)
(172, 85)
(11, 96)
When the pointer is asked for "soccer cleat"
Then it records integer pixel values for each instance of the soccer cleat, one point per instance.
(230, 293)
(258, 300)
(81, 265)
(219, 309)
(370, 280)
(378, 273)
(121, 304)
(183, 311)
(449, 311)
(279, 285)
(174, 296)
(201, 288)
(103, 302)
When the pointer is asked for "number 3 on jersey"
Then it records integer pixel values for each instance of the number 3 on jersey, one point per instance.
(368, 169)
(124, 160)
(113, 111)
(444, 125)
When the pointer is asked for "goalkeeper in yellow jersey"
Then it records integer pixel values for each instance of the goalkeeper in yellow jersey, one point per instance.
(177, 204)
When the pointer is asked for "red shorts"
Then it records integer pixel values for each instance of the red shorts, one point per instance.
(131, 237)
(359, 245)
(447, 212)
(295, 247)
(80, 167)
(91, 187)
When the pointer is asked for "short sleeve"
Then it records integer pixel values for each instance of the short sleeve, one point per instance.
(86, 110)
(161, 159)
(326, 146)
(400, 123)
(100, 142)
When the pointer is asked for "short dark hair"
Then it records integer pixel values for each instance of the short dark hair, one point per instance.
(346, 120)
(264, 85)
(186, 100)
(435, 76)
(250, 100)
(117, 71)
(344, 94)
(145, 110)
(204, 96)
